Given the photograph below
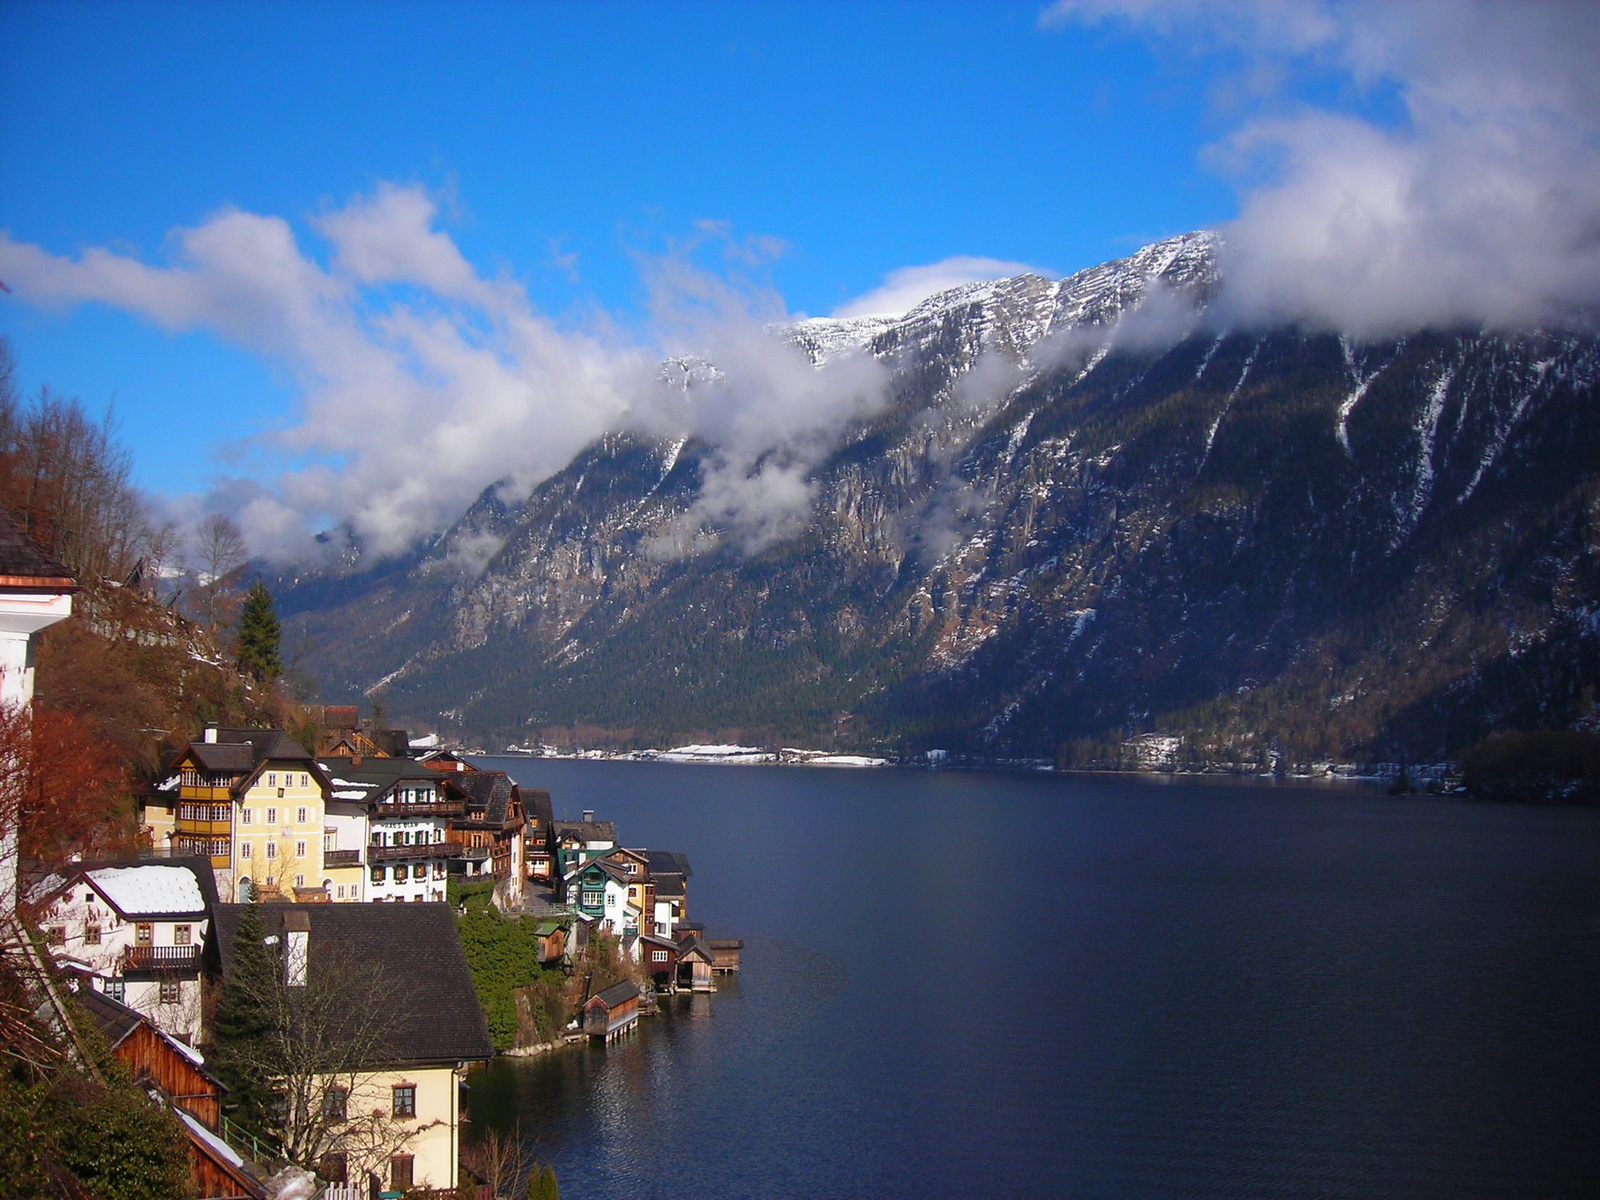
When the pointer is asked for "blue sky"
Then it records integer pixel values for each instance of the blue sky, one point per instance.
(795, 155)
(864, 137)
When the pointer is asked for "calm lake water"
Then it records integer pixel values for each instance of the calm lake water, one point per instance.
(974, 985)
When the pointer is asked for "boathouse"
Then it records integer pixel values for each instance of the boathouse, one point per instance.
(660, 957)
(613, 1012)
(695, 964)
(725, 954)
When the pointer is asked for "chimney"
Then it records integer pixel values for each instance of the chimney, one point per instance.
(296, 950)
(588, 814)
(210, 734)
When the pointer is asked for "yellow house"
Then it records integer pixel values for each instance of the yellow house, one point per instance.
(252, 800)
(390, 1115)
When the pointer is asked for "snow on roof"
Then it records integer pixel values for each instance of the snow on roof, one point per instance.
(169, 785)
(427, 742)
(218, 1146)
(150, 889)
(350, 794)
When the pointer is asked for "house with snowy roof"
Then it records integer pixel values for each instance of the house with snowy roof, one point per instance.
(391, 819)
(134, 929)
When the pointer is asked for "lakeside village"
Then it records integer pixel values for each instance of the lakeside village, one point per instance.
(347, 858)
(279, 997)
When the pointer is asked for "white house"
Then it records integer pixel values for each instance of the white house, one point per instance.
(35, 592)
(136, 928)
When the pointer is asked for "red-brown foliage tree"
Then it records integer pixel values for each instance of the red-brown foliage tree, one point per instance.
(64, 788)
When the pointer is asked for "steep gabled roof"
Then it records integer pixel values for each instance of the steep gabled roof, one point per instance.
(416, 953)
(536, 805)
(223, 756)
(142, 888)
(489, 794)
(611, 869)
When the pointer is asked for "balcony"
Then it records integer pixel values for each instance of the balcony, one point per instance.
(341, 858)
(378, 854)
(438, 808)
(161, 958)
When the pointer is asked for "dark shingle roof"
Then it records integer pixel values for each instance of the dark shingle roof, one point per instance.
(668, 862)
(489, 791)
(589, 831)
(223, 756)
(25, 563)
(382, 772)
(606, 865)
(114, 1021)
(668, 886)
(417, 953)
(618, 993)
(536, 805)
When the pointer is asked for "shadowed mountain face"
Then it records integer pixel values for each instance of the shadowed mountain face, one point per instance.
(1081, 514)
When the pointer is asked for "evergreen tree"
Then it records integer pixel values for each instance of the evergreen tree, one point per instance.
(243, 1025)
(542, 1183)
(259, 635)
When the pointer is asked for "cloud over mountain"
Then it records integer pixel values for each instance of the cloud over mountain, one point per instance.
(1454, 178)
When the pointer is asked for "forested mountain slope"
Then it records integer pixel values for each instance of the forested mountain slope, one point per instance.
(1083, 512)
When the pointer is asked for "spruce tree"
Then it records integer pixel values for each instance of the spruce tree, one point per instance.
(259, 635)
(242, 1029)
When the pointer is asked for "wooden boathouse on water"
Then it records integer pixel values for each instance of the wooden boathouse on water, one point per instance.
(612, 1012)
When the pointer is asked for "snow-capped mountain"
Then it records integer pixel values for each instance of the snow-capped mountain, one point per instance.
(1084, 514)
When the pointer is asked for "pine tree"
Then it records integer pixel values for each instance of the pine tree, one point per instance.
(259, 635)
(242, 1028)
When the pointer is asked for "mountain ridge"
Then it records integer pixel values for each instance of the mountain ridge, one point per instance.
(1080, 515)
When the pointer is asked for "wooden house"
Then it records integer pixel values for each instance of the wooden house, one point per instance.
(725, 954)
(613, 1012)
(490, 829)
(178, 1076)
(659, 956)
(696, 964)
(552, 938)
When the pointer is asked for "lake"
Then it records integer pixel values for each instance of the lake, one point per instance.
(974, 985)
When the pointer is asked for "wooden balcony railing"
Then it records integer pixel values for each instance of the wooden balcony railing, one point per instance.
(377, 854)
(341, 858)
(161, 958)
(437, 808)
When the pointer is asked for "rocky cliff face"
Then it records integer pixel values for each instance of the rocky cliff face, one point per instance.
(1081, 514)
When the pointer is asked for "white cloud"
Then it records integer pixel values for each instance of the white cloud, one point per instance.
(1479, 206)
(906, 287)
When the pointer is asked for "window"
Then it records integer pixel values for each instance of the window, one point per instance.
(333, 1103)
(400, 1172)
(91, 935)
(247, 816)
(592, 899)
(141, 933)
(272, 816)
(405, 1104)
(400, 873)
(355, 891)
(301, 815)
(169, 991)
(299, 849)
(611, 900)
(299, 881)
(335, 1168)
(244, 849)
(327, 840)
(56, 935)
(658, 956)
(272, 849)
(341, 891)
(272, 779)
(378, 874)
(305, 780)
(116, 990)
(180, 935)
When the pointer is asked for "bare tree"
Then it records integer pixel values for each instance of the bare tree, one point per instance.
(217, 556)
(500, 1158)
(327, 1035)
